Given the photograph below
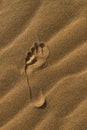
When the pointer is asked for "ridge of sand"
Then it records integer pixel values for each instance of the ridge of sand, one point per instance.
(61, 91)
(62, 25)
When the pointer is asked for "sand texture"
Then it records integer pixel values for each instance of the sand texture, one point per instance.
(62, 26)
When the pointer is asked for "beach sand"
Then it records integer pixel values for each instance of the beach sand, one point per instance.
(62, 26)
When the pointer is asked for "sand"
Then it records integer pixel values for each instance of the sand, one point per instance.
(62, 26)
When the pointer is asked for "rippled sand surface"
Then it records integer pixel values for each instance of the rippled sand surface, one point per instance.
(62, 25)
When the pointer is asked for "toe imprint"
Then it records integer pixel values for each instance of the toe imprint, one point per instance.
(37, 52)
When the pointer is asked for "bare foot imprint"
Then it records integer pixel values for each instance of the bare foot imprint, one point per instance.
(36, 60)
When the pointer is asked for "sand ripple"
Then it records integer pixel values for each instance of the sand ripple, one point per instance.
(62, 25)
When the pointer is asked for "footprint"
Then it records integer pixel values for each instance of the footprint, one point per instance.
(35, 61)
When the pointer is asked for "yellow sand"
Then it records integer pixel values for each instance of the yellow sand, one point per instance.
(62, 25)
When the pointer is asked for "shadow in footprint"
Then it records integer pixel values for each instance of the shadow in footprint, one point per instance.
(43, 106)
